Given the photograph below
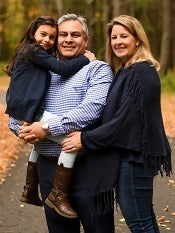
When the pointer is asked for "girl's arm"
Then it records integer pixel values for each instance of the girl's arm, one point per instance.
(67, 68)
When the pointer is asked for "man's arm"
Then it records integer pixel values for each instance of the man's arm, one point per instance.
(28, 133)
(90, 109)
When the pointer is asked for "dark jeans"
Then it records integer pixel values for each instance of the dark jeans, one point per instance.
(135, 196)
(79, 201)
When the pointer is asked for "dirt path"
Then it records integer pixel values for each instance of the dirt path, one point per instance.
(16, 217)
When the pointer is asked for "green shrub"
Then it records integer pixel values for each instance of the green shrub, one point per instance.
(168, 82)
(2, 67)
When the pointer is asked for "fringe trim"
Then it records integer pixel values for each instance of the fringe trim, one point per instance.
(101, 203)
(159, 164)
(156, 163)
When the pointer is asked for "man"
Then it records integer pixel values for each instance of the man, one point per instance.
(78, 103)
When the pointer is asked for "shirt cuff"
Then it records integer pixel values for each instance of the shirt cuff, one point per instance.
(54, 126)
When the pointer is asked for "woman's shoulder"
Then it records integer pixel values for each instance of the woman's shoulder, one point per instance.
(146, 76)
(144, 68)
(143, 65)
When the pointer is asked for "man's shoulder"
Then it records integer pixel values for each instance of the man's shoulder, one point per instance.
(97, 64)
(100, 62)
(98, 69)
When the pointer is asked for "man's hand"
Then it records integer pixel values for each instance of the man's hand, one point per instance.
(32, 133)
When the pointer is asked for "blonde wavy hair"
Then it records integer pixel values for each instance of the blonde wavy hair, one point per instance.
(143, 52)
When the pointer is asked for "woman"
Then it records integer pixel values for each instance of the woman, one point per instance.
(130, 147)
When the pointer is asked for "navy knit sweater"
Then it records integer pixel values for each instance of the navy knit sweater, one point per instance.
(132, 129)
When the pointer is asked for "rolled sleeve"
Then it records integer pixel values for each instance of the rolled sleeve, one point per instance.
(13, 126)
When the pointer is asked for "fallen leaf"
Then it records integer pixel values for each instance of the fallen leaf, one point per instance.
(122, 220)
(166, 208)
(161, 220)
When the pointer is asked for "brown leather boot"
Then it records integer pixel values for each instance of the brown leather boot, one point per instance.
(58, 199)
(30, 194)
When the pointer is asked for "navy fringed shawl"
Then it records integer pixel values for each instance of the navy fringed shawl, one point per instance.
(132, 120)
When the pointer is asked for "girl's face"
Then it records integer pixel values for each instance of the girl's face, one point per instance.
(45, 35)
(123, 43)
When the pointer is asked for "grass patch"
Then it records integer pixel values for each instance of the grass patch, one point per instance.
(2, 67)
(168, 82)
(4, 78)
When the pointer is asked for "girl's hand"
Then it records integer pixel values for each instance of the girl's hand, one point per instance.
(72, 142)
(89, 55)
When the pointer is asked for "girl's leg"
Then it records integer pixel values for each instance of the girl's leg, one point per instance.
(58, 199)
(67, 159)
(56, 223)
(30, 194)
(135, 196)
(33, 156)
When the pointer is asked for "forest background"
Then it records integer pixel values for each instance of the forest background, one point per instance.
(157, 17)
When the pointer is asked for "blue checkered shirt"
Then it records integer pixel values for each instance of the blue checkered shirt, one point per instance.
(77, 101)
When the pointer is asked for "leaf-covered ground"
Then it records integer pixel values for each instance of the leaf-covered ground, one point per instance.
(168, 110)
(10, 146)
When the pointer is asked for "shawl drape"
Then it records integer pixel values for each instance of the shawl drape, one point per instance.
(132, 121)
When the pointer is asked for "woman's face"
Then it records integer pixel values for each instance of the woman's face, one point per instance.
(123, 43)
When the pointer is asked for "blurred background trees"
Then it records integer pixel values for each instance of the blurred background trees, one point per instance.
(157, 17)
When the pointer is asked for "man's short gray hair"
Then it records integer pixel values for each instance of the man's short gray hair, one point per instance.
(75, 17)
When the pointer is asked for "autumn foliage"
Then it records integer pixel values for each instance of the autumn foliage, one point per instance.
(10, 145)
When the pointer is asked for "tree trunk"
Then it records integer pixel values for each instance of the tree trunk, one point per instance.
(59, 6)
(116, 5)
(166, 51)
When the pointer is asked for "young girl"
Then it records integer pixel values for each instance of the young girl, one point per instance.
(29, 70)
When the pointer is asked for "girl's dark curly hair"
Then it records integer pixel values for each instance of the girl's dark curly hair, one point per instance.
(28, 38)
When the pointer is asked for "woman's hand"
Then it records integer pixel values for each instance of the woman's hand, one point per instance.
(72, 142)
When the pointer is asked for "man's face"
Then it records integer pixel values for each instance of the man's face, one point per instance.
(71, 39)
